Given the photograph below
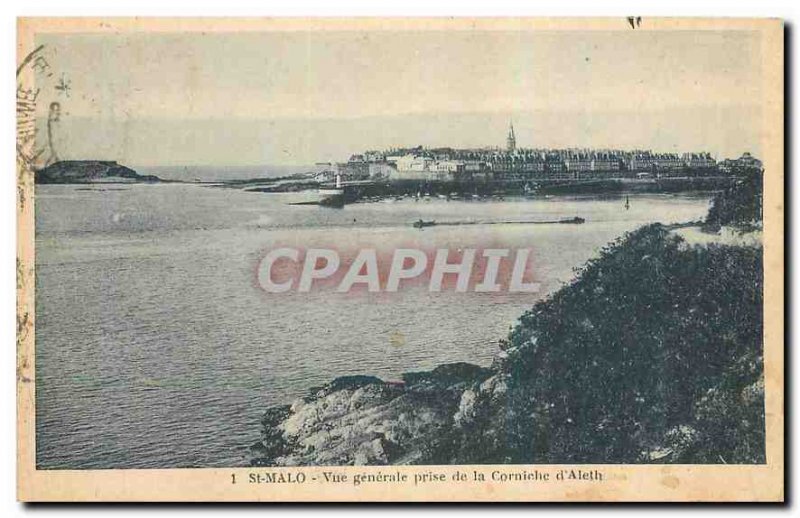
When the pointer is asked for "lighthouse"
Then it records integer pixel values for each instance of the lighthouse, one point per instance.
(511, 140)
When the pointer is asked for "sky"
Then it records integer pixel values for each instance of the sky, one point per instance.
(296, 98)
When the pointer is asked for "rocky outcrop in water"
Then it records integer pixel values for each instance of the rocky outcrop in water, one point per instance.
(90, 171)
(364, 420)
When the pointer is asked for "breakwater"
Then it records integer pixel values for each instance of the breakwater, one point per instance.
(380, 190)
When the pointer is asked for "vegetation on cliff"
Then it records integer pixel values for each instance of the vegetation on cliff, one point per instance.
(653, 354)
(739, 205)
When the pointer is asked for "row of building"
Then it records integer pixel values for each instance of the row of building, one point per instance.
(530, 164)
(420, 164)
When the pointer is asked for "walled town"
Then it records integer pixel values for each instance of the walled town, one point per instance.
(514, 165)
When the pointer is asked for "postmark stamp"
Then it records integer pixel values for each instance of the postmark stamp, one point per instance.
(41, 90)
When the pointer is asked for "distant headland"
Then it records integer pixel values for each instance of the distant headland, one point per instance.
(91, 171)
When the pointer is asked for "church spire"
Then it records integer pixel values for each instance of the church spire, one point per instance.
(511, 140)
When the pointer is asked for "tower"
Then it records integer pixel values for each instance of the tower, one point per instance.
(511, 140)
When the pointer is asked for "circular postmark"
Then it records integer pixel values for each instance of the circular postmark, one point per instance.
(41, 92)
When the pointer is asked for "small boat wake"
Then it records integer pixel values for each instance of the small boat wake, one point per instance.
(420, 224)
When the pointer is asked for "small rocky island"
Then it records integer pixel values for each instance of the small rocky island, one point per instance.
(653, 354)
(91, 171)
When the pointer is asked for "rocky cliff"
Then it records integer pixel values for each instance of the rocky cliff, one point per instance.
(653, 354)
(364, 420)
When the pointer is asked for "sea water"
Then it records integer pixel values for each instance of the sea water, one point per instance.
(157, 348)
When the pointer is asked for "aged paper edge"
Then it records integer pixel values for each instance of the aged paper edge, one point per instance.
(621, 482)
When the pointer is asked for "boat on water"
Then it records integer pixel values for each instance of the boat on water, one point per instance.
(422, 224)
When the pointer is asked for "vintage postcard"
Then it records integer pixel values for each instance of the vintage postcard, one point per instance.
(397, 259)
